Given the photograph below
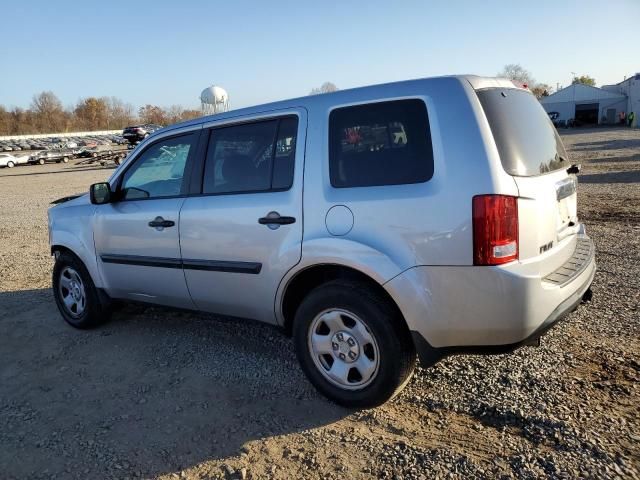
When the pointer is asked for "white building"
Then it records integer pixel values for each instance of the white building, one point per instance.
(630, 88)
(585, 104)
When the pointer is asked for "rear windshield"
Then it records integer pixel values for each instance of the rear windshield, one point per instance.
(527, 141)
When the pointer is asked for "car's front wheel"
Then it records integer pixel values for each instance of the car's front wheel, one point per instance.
(76, 295)
(11, 164)
(352, 344)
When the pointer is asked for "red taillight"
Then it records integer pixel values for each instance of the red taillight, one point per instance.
(495, 229)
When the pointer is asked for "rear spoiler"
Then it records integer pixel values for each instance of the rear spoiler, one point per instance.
(481, 83)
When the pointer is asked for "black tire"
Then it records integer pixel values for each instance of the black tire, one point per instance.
(97, 307)
(11, 164)
(396, 351)
(41, 161)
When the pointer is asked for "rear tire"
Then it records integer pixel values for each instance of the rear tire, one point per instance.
(41, 161)
(368, 352)
(76, 296)
(11, 164)
(65, 160)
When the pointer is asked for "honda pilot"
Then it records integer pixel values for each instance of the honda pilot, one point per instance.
(375, 225)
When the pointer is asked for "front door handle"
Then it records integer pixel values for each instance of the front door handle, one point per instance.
(160, 222)
(274, 218)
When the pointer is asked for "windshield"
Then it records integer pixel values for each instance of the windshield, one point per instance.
(527, 141)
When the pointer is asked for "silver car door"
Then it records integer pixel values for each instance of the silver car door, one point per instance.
(136, 236)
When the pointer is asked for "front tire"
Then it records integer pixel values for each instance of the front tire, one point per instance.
(76, 296)
(352, 344)
(11, 164)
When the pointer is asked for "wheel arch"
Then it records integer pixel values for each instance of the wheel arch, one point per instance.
(306, 279)
(76, 248)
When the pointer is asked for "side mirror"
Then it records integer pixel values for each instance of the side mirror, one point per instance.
(100, 193)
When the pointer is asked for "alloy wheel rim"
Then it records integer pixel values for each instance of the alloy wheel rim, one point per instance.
(72, 292)
(343, 349)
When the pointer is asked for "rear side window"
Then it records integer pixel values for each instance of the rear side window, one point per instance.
(386, 143)
(254, 157)
(527, 141)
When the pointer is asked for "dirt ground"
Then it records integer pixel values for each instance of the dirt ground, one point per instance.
(165, 394)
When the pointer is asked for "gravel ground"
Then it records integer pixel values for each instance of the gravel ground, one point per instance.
(165, 394)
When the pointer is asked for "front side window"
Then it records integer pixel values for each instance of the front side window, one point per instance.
(159, 171)
(385, 143)
(253, 157)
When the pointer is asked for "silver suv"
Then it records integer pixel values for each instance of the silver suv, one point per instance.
(431, 216)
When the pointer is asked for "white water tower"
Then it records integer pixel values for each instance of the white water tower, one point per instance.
(214, 100)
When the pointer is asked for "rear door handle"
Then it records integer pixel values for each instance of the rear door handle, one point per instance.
(274, 218)
(160, 222)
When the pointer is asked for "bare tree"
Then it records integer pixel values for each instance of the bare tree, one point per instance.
(152, 114)
(515, 71)
(326, 87)
(48, 112)
(22, 121)
(92, 113)
(120, 114)
(5, 121)
(174, 113)
(190, 114)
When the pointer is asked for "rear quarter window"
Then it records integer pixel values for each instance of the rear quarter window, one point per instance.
(384, 143)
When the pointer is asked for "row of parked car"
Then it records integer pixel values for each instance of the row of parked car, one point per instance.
(61, 150)
(58, 142)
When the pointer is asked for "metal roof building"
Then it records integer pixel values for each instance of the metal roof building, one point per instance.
(586, 105)
(630, 87)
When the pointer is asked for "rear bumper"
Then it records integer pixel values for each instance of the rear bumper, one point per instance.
(485, 309)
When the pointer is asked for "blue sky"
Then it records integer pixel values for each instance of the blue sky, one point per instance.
(166, 52)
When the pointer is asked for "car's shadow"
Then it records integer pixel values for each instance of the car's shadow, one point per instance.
(152, 392)
(629, 176)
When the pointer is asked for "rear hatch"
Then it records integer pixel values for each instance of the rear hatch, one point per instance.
(532, 153)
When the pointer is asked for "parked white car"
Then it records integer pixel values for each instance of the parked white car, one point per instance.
(10, 161)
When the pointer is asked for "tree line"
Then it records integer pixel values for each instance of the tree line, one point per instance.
(46, 114)
(515, 71)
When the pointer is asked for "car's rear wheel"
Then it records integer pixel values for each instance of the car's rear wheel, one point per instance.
(65, 160)
(11, 164)
(76, 296)
(41, 161)
(352, 344)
